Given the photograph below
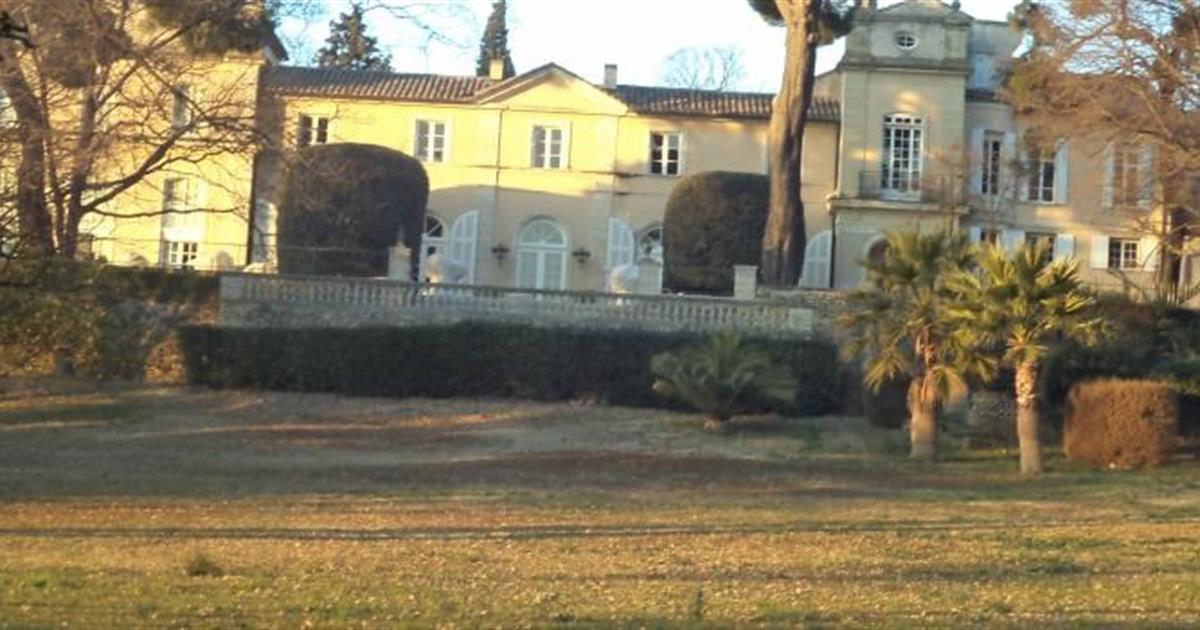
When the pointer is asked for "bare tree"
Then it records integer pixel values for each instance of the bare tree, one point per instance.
(717, 67)
(1117, 73)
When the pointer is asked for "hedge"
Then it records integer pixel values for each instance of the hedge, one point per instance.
(475, 360)
(1121, 423)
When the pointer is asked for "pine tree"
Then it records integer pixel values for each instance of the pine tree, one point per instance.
(349, 46)
(494, 43)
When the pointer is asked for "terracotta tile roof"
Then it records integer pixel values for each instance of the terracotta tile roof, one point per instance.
(687, 102)
(338, 83)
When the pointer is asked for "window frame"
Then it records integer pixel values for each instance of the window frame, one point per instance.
(992, 164)
(181, 107)
(894, 125)
(1040, 180)
(564, 146)
(1127, 165)
(909, 36)
(426, 156)
(176, 256)
(1126, 254)
(317, 130)
(664, 161)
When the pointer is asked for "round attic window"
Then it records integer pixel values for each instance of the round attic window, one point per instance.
(906, 40)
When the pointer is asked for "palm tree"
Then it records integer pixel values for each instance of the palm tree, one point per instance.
(721, 378)
(901, 325)
(1019, 305)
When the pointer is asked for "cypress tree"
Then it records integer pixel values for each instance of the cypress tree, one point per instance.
(494, 43)
(349, 46)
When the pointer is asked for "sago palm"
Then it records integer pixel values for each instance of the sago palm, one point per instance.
(721, 378)
(1019, 304)
(900, 324)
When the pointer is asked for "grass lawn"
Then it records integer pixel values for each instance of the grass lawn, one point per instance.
(130, 507)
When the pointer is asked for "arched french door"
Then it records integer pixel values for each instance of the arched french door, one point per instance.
(542, 255)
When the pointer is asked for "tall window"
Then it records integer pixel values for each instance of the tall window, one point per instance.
(312, 130)
(1041, 177)
(181, 254)
(431, 141)
(179, 203)
(541, 256)
(1122, 253)
(548, 143)
(181, 107)
(993, 160)
(1041, 239)
(1126, 174)
(665, 149)
(902, 145)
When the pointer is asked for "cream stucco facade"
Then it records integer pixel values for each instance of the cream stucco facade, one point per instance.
(547, 180)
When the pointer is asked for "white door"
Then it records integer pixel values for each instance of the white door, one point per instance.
(464, 235)
(542, 256)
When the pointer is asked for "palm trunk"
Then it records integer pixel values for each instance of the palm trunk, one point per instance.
(922, 423)
(1027, 418)
(783, 237)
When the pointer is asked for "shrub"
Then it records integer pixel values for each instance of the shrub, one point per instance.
(474, 359)
(345, 204)
(887, 408)
(713, 221)
(722, 377)
(1121, 423)
(202, 565)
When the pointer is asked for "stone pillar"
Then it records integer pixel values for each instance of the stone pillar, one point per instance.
(745, 282)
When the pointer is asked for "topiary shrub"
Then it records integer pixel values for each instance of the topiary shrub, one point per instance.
(1125, 424)
(345, 204)
(713, 221)
(722, 378)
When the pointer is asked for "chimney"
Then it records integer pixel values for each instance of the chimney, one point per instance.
(610, 75)
(868, 5)
(496, 68)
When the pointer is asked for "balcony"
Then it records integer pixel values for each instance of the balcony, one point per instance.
(927, 188)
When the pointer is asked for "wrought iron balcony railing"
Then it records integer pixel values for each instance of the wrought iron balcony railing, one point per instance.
(909, 187)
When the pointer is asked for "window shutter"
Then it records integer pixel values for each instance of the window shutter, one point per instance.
(1107, 194)
(1148, 252)
(1099, 252)
(1062, 178)
(1145, 175)
(463, 237)
(1010, 240)
(978, 153)
(974, 234)
(620, 243)
(1064, 246)
(1008, 178)
(818, 261)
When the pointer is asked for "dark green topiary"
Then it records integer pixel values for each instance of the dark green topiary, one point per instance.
(1123, 424)
(713, 221)
(474, 359)
(344, 206)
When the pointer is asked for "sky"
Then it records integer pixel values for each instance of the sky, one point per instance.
(580, 35)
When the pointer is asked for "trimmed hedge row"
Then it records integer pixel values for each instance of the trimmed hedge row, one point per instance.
(1126, 424)
(475, 360)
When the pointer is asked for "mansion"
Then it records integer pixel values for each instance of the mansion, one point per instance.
(546, 180)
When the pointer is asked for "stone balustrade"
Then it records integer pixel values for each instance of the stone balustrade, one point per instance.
(249, 300)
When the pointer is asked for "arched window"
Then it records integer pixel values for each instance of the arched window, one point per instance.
(542, 255)
(903, 144)
(620, 244)
(433, 240)
(818, 262)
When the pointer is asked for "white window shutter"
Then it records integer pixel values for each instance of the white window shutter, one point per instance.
(1148, 252)
(1099, 252)
(620, 243)
(818, 261)
(1062, 177)
(974, 234)
(1010, 240)
(978, 155)
(1146, 175)
(1064, 246)
(464, 235)
(1008, 179)
(1107, 194)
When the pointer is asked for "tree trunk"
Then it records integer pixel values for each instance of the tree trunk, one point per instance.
(783, 238)
(1027, 418)
(33, 216)
(922, 423)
